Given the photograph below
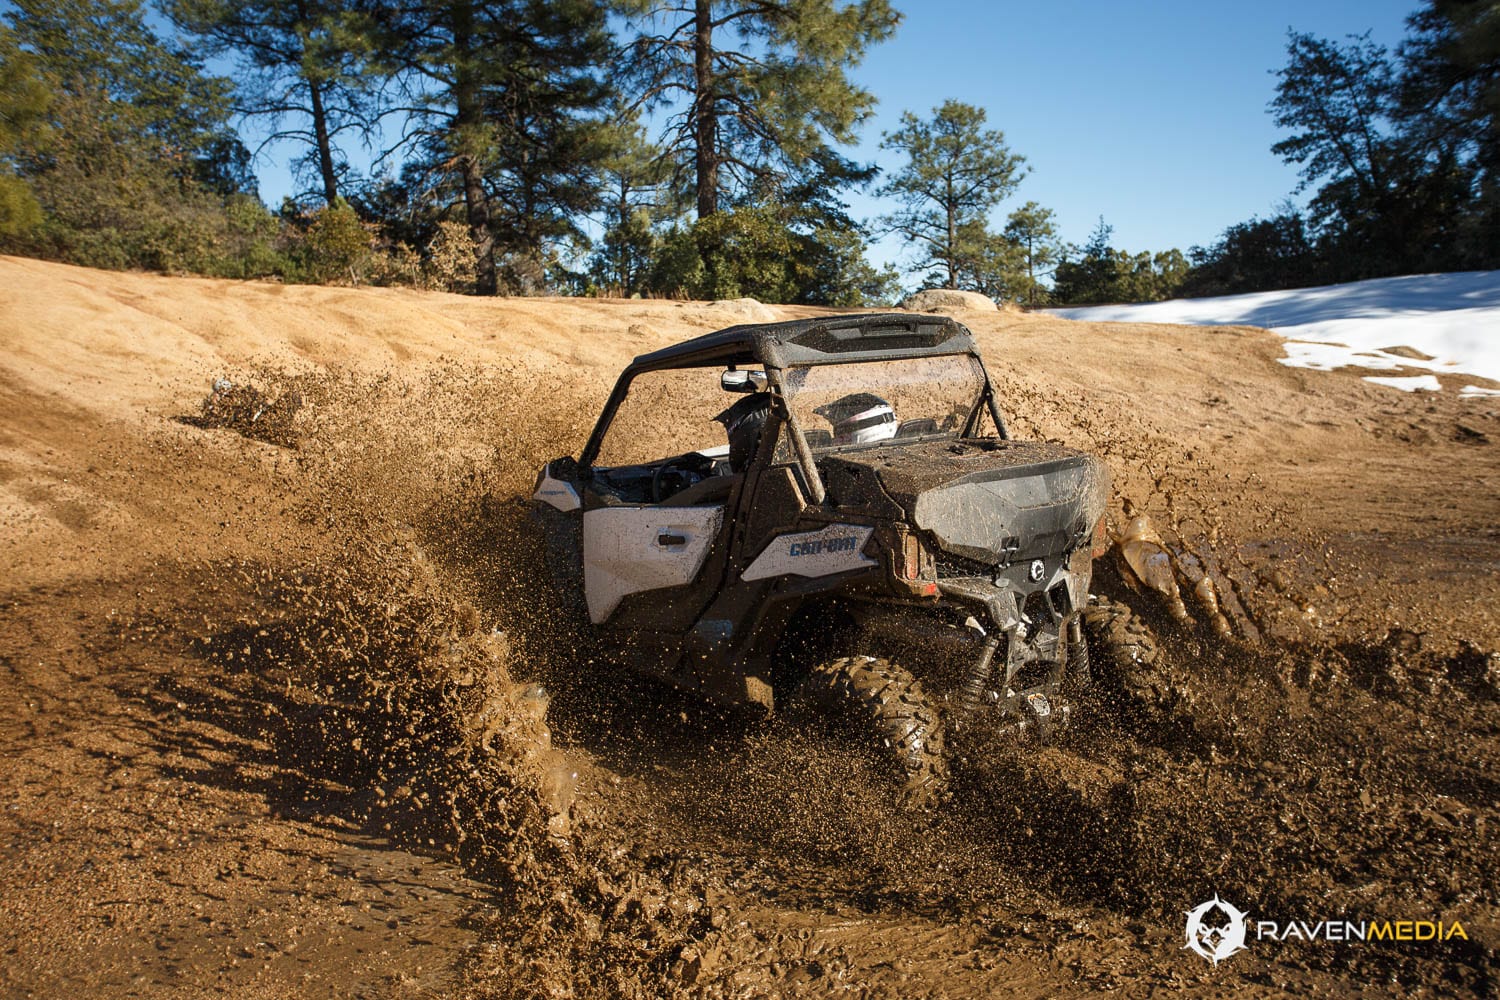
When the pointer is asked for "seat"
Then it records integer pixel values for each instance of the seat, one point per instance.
(713, 489)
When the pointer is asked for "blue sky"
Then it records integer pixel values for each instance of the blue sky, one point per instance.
(1150, 113)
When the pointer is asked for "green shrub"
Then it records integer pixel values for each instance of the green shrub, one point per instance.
(451, 259)
(338, 248)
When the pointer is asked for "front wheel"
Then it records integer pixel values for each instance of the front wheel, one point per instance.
(886, 706)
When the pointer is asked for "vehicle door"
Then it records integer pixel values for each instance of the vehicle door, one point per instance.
(657, 503)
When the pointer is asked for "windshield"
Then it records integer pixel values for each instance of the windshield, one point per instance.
(871, 401)
(666, 413)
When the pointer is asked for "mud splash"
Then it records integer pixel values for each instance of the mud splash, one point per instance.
(1246, 569)
(700, 848)
(389, 663)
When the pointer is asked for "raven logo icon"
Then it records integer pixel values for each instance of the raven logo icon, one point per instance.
(1215, 943)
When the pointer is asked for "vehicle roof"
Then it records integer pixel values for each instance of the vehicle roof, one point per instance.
(820, 340)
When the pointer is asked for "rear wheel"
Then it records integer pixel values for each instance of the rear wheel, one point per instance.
(1127, 662)
(1120, 644)
(885, 705)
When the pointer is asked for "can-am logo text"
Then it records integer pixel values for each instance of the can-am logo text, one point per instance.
(820, 545)
(1215, 929)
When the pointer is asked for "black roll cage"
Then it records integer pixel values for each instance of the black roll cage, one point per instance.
(774, 348)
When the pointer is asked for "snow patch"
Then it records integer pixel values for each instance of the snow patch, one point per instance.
(1408, 383)
(1446, 323)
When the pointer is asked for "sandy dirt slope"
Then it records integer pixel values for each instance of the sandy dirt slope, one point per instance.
(188, 808)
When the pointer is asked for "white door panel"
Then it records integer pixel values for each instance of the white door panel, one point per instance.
(630, 549)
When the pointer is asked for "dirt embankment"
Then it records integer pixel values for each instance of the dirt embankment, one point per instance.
(278, 730)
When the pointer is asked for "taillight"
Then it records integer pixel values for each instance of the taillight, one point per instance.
(917, 568)
(1101, 539)
(911, 564)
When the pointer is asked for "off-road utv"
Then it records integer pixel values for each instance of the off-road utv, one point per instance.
(855, 518)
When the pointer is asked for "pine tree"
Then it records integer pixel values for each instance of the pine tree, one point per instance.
(956, 170)
(23, 107)
(308, 61)
(134, 164)
(1032, 229)
(1106, 274)
(1450, 107)
(1339, 101)
(638, 196)
(744, 114)
(833, 269)
(504, 99)
(1095, 276)
(792, 244)
(1255, 256)
(1384, 206)
(147, 91)
(1404, 155)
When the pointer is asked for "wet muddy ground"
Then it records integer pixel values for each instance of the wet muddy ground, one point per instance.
(277, 728)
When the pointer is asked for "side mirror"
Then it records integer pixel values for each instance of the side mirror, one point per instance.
(554, 485)
(743, 381)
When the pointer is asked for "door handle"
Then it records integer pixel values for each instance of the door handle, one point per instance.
(665, 540)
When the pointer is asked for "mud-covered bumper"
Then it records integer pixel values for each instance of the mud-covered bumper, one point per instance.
(1026, 613)
(1022, 592)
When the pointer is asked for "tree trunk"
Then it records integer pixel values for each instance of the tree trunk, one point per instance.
(325, 146)
(952, 246)
(466, 125)
(1031, 272)
(622, 216)
(477, 205)
(705, 109)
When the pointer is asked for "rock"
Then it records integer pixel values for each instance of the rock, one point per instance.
(941, 300)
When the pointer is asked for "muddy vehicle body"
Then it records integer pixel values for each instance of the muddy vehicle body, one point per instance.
(871, 538)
